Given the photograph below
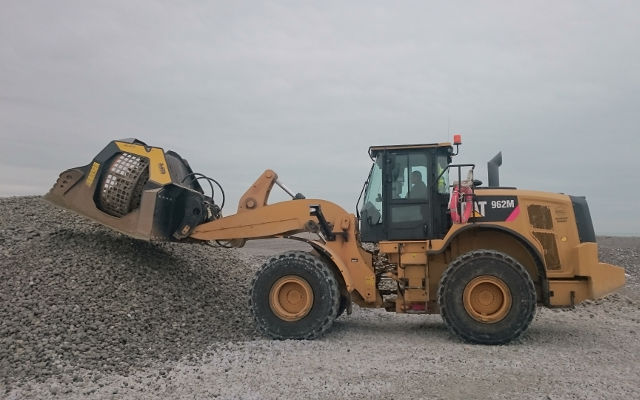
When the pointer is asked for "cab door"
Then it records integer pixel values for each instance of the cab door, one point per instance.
(407, 209)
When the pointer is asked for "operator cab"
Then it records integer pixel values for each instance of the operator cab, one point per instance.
(407, 193)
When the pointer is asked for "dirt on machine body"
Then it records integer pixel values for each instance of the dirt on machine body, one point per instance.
(481, 256)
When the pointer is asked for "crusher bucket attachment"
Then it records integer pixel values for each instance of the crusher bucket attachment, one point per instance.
(138, 190)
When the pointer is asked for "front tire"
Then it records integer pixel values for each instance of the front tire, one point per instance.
(486, 297)
(294, 296)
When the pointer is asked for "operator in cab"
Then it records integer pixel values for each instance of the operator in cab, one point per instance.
(418, 187)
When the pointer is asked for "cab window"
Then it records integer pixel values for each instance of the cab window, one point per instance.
(372, 206)
(409, 176)
(442, 162)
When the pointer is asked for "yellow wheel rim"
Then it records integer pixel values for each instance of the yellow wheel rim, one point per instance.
(487, 299)
(291, 298)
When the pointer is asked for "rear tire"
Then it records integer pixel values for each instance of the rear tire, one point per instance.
(486, 297)
(294, 296)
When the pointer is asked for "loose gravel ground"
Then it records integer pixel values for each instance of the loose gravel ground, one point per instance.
(86, 312)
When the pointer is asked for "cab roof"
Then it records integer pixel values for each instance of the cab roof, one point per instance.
(376, 149)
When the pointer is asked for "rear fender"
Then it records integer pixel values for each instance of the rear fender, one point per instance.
(536, 269)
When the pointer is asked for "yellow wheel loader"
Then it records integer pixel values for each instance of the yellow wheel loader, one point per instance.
(436, 240)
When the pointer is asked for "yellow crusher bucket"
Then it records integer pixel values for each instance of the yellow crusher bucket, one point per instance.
(139, 190)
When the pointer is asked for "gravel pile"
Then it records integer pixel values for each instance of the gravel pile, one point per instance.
(86, 312)
(75, 294)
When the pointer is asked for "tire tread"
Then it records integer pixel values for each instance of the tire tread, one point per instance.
(461, 261)
(309, 261)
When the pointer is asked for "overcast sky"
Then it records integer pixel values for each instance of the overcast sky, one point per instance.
(305, 88)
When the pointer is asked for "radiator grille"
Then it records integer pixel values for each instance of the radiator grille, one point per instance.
(548, 242)
(540, 217)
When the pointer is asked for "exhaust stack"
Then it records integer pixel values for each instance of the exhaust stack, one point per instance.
(493, 168)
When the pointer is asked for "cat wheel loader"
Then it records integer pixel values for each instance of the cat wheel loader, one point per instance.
(426, 238)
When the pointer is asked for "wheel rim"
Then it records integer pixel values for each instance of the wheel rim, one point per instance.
(291, 298)
(487, 299)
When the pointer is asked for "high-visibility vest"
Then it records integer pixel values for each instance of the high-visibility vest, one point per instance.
(442, 183)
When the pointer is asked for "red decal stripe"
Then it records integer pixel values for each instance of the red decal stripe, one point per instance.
(514, 214)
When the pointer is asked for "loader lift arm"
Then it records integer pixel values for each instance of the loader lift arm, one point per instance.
(336, 228)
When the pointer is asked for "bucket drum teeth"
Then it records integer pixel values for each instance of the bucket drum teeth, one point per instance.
(120, 189)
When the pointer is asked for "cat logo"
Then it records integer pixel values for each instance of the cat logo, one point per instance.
(162, 168)
(478, 208)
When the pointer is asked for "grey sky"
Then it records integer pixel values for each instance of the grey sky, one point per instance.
(305, 87)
